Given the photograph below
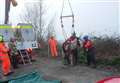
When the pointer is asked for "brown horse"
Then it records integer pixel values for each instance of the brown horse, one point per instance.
(70, 50)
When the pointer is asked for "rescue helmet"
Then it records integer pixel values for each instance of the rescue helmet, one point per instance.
(1, 38)
(53, 36)
(86, 37)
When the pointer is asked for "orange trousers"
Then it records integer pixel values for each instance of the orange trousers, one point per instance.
(6, 65)
(53, 50)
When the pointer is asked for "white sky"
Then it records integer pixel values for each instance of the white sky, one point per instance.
(91, 16)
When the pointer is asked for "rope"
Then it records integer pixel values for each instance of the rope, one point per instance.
(62, 8)
(70, 7)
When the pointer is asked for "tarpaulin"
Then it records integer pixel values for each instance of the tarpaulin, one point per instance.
(30, 78)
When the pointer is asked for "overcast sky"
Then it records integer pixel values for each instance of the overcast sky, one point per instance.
(91, 16)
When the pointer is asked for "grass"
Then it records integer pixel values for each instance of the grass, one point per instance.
(107, 51)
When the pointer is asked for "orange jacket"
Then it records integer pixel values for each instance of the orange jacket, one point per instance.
(52, 42)
(88, 44)
(3, 49)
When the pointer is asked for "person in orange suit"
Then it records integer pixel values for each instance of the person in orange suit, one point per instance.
(6, 65)
(53, 46)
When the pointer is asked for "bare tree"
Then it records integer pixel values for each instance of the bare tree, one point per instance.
(50, 28)
(33, 15)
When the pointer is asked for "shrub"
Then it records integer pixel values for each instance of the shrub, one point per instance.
(107, 47)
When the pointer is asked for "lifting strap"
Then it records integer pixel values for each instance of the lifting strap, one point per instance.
(66, 16)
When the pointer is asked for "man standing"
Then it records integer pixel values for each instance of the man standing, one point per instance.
(6, 65)
(89, 50)
(53, 46)
(13, 53)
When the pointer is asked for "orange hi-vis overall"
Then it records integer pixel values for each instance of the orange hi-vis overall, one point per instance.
(53, 47)
(6, 65)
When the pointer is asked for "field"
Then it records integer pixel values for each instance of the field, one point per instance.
(53, 68)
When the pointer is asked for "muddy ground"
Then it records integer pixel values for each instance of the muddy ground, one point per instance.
(53, 68)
